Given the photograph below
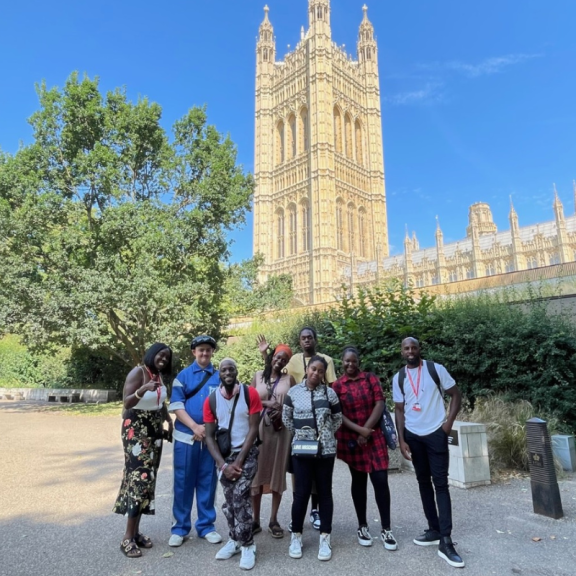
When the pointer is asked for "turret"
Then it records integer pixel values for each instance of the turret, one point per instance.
(407, 259)
(440, 258)
(562, 233)
(367, 47)
(319, 17)
(515, 234)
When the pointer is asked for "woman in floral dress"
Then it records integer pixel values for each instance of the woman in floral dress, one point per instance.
(142, 433)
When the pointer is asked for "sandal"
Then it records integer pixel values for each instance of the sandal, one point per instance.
(276, 530)
(130, 549)
(143, 541)
(256, 528)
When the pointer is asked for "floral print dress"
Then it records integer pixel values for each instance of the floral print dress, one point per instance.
(142, 441)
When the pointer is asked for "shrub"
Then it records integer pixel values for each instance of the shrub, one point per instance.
(506, 429)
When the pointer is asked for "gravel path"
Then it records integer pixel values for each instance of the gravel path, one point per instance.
(60, 475)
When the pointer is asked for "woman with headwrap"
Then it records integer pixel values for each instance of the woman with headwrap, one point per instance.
(144, 413)
(272, 386)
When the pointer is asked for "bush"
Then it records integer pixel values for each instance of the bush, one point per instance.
(19, 368)
(506, 429)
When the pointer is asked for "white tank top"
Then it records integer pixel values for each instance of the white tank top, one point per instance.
(151, 400)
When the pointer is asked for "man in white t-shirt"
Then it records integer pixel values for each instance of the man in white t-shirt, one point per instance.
(423, 428)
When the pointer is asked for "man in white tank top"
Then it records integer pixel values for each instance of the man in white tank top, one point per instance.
(234, 411)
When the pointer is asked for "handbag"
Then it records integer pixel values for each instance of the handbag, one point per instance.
(309, 448)
(224, 435)
(389, 430)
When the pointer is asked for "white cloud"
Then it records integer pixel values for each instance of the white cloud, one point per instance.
(430, 93)
(489, 65)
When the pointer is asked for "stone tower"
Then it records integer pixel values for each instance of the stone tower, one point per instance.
(319, 201)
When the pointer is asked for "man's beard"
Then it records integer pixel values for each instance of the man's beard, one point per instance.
(413, 361)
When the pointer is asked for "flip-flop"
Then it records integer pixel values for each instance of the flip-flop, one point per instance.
(130, 549)
(143, 541)
(276, 530)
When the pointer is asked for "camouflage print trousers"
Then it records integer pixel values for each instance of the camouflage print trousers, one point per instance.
(238, 500)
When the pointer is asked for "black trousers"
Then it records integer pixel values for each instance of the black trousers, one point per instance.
(306, 470)
(431, 458)
(381, 492)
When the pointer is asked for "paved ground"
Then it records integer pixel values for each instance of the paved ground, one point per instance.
(60, 474)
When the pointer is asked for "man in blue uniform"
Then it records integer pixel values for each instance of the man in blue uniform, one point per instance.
(194, 469)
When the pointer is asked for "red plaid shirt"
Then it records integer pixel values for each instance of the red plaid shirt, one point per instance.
(358, 397)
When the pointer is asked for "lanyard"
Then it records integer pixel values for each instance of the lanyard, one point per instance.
(416, 389)
(159, 389)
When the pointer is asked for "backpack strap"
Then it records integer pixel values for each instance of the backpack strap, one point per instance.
(212, 403)
(246, 395)
(401, 378)
(433, 372)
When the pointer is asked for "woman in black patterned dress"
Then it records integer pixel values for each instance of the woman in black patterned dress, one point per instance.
(142, 433)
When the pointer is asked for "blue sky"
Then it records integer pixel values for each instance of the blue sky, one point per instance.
(478, 97)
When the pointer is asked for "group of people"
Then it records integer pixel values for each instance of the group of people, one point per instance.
(295, 417)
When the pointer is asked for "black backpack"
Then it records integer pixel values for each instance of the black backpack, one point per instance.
(431, 370)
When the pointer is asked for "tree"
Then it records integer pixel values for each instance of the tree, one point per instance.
(112, 235)
(248, 296)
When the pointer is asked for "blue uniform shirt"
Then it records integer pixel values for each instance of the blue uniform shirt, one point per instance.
(182, 387)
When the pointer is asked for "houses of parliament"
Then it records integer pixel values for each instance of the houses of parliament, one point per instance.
(320, 196)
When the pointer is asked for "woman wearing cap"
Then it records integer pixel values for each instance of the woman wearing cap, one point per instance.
(194, 470)
(142, 432)
(272, 386)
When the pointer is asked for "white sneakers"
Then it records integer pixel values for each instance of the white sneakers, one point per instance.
(295, 550)
(175, 540)
(364, 536)
(229, 549)
(213, 537)
(248, 559)
(325, 549)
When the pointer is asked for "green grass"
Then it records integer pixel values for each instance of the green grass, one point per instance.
(82, 409)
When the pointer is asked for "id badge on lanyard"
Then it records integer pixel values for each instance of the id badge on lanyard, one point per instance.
(416, 389)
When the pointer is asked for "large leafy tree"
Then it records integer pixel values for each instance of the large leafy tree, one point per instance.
(112, 232)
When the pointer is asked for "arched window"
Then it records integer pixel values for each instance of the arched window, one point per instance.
(359, 143)
(303, 130)
(320, 13)
(368, 54)
(532, 263)
(280, 233)
(469, 273)
(348, 135)
(453, 276)
(351, 228)
(292, 237)
(362, 232)
(490, 269)
(305, 226)
(292, 143)
(337, 130)
(265, 55)
(280, 143)
(340, 224)
(509, 266)
(554, 258)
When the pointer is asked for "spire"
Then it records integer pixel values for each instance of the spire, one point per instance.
(512, 210)
(367, 48)
(266, 43)
(558, 207)
(439, 234)
(556, 197)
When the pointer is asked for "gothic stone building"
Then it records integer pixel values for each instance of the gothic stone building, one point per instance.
(319, 165)
(320, 201)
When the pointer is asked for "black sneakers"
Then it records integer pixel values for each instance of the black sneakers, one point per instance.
(447, 551)
(429, 538)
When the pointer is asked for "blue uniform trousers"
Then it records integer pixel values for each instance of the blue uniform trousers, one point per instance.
(194, 470)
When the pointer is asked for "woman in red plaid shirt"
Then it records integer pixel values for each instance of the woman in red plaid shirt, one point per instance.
(361, 443)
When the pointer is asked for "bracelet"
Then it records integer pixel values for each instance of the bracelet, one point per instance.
(224, 466)
(136, 394)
